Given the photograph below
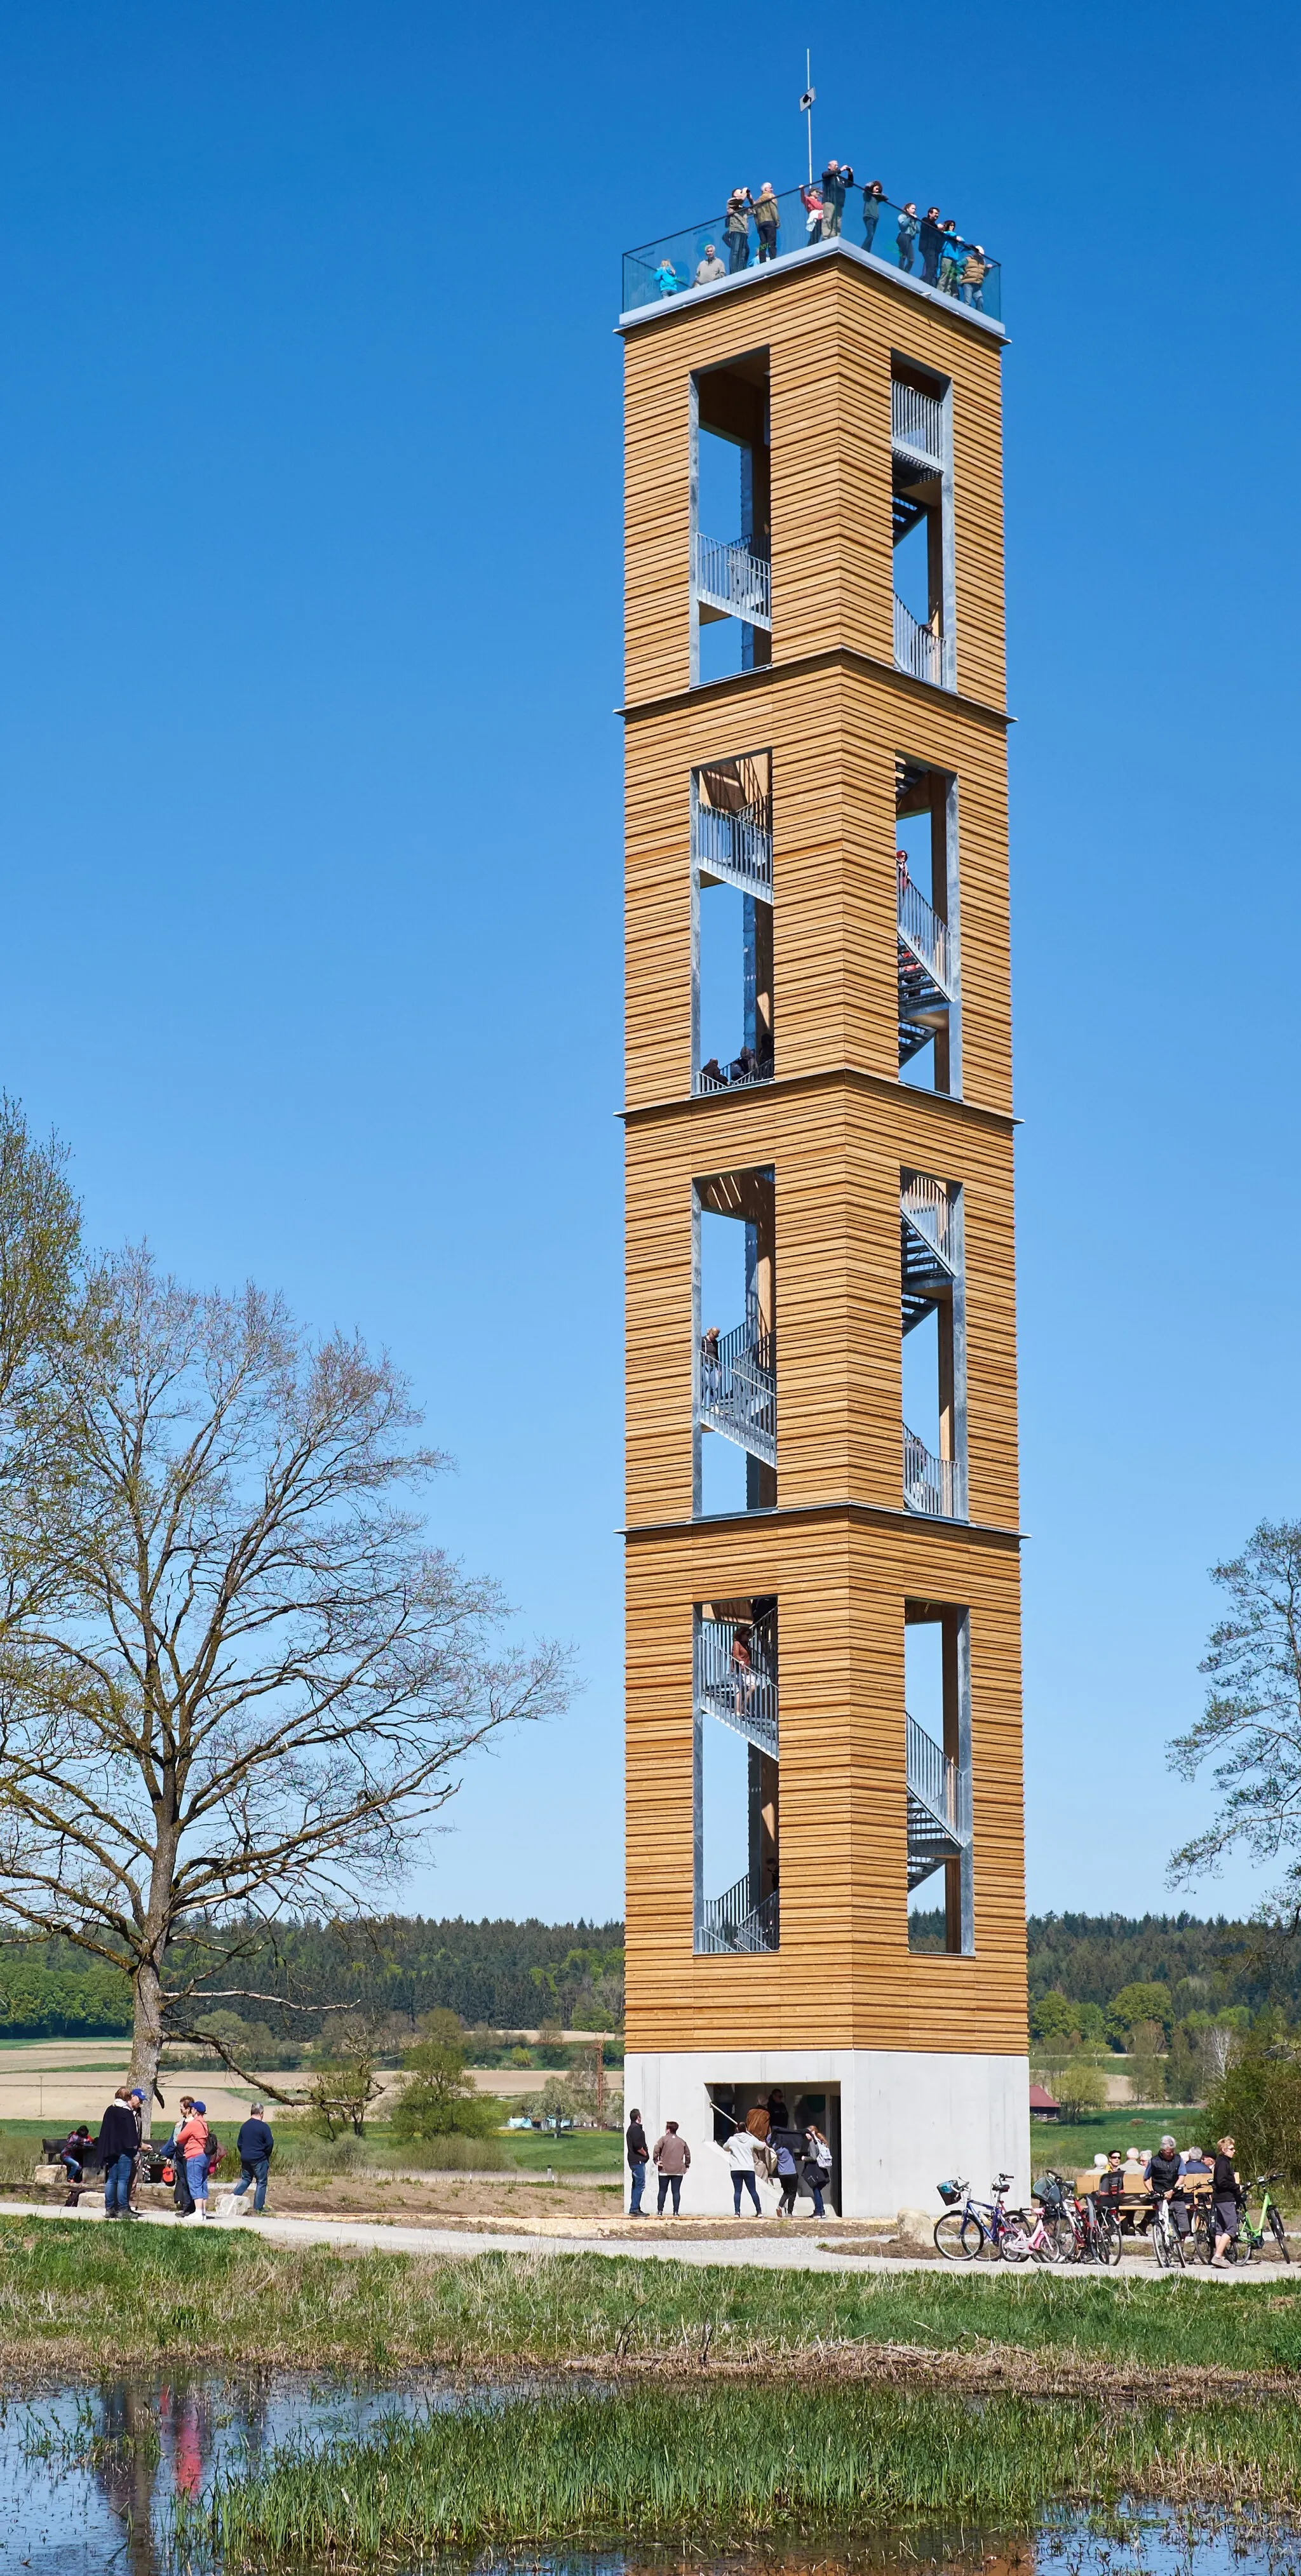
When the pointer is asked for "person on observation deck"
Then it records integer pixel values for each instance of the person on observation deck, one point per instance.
(710, 267)
(873, 203)
(813, 214)
(971, 282)
(905, 235)
(767, 217)
(931, 240)
(837, 180)
(736, 229)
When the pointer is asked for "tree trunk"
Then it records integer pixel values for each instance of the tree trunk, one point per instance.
(147, 2038)
(147, 1983)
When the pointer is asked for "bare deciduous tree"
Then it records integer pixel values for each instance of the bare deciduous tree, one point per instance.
(245, 1683)
(1251, 1727)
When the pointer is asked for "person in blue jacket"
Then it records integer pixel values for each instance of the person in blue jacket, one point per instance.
(255, 2147)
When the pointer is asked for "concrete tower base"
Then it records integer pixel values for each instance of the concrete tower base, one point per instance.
(907, 2119)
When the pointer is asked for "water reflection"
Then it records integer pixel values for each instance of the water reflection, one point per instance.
(88, 2480)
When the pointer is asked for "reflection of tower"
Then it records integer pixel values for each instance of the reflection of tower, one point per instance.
(127, 2467)
(823, 1666)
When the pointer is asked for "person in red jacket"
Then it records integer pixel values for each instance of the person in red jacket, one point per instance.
(192, 2143)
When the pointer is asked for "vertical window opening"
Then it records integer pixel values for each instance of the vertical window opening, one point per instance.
(732, 928)
(926, 870)
(731, 519)
(933, 1322)
(937, 1720)
(738, 1804)
(735, 1426)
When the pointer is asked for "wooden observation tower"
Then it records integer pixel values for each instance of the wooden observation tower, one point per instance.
(824, 1806)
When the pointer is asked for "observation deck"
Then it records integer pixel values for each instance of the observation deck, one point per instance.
(707, 258)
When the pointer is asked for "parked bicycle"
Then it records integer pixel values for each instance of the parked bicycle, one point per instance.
(1049, 2237)
(968, 2225)
(1250, 2239)
(1171, 2243)
(1095, 2231)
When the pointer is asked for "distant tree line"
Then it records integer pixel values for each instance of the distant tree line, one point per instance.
(507, 1975)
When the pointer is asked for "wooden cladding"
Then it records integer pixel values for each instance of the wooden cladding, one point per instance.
(836, 1153)
(836, 735)
(843, 1976)
(835, 1129)
(830, 334)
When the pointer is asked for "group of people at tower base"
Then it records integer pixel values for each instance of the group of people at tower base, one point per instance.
(764, 2147)
(187, 2159)
(955, 267)
(1181, 2179)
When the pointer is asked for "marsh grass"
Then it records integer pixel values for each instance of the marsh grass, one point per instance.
(731, 2465)
(80, 2293)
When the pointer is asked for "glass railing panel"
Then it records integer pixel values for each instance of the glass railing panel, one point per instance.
(783, 226)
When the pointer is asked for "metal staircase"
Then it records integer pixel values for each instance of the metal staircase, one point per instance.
(737, 1389)
(939, 1806)
(921, 651)
(741, 1696)
(731, 825)
(732, 580)
(925, 971)
(734, 1922)
(930, 1256)
(934, 1486)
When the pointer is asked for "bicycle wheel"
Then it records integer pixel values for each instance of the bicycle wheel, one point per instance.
(1161, 2245)
(1056, 2242)
(1280, 2232)
(1014, 2243)
(1112, 2244)
(958, 2236)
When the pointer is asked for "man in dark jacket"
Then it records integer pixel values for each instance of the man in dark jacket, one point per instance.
(116, 2147)
(931, 239)
(638, 2158)
(255, 2147)
(837, 179)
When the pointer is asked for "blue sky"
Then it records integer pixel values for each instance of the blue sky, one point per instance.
(309, 780)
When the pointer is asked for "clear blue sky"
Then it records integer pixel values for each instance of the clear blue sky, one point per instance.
(309, 781)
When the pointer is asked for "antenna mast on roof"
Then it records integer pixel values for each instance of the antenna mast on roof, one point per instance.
(806, 106)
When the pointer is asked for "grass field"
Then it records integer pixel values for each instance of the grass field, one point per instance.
(733, 2465)
(575, 2151)
(1072, 2149)
(70, 2295)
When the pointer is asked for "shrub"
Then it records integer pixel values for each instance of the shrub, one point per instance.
(1257, 2103)
(438, 2098)
(1081, 2091)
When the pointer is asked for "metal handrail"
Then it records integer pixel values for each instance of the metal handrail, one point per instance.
(737, 1389)
(917, 422)
(935, 1486)
(735, 846)
(733, 1922)
(927, 1207)
(735, 576)
(741, 1696)
(941, 1785)
(920, 651)
(731, 1080)
(922, 930)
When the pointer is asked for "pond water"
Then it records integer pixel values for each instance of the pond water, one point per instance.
(88, 2478)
